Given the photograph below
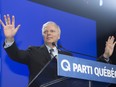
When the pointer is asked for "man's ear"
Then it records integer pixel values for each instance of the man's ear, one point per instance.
(59, 37)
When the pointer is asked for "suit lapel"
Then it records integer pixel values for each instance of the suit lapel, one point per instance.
(45, 52)
(47, 55)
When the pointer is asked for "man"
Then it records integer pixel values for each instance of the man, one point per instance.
(37, 57)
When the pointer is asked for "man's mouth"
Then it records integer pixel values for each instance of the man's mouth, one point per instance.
(49, 38)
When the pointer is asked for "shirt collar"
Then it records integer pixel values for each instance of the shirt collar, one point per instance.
(48, 47)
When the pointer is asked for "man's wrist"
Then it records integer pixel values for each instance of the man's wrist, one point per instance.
(9, 40)
(106, 58)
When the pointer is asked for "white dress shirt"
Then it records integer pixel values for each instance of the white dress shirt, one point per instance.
(55, 52)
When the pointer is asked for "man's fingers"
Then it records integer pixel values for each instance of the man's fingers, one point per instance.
(3, 25)
(111, 39)
(13, 20)
(17, 27)
(5, 18)
(8, 19)
(108, 38)
(114, 43)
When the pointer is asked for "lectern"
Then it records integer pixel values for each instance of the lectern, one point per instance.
(48, 77)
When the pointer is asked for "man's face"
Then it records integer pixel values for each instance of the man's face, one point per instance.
(51, 34)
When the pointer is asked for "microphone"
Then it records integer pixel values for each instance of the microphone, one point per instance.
(53, 44)
(60, 46)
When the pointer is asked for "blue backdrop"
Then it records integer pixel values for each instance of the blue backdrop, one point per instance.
(78, 34)
(0, 44)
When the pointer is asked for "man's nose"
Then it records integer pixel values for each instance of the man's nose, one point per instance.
(48, 33)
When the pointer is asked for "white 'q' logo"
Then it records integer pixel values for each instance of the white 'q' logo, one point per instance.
(65, 65)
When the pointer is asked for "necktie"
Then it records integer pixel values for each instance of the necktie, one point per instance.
(51, 53)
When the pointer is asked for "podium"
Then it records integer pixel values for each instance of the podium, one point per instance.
(48, 77)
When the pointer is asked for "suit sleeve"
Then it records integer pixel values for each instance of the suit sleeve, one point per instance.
(102, 59)
(17, 55)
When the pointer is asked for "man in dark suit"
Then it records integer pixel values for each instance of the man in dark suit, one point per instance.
(37, 57)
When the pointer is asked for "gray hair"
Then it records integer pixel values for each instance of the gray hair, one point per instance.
(50, 22)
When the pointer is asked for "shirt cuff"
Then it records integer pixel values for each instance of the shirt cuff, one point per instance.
(107, 59)
(8, 44)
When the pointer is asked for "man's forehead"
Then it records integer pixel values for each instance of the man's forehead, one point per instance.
(51, 26)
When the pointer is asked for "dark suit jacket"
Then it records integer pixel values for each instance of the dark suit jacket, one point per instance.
(34, 57)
